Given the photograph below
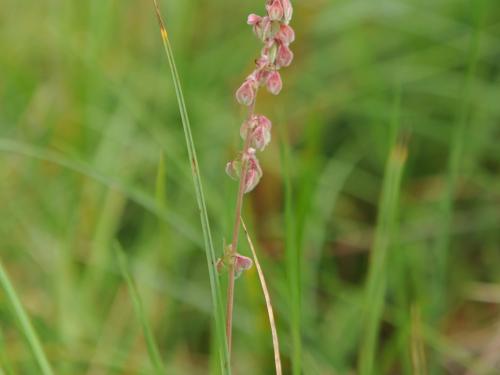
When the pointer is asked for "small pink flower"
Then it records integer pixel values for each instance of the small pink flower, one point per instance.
(274, 83)
(253, 170)
(285, 35)
(287, 10)
(246, 93)
(241, 263)
(275, 10)
(260, 72)
(261, 137)
(259, 130)
(261, 27)
(284, 56)
(253, 19)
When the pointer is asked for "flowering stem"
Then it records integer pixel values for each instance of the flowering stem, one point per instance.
(236, 232)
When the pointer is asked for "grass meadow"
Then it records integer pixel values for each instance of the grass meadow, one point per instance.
(377, 221)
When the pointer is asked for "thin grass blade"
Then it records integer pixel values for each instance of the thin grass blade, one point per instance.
(384, 236)
(267, 297)
(154, 353)
(200, 198)
(24, 323)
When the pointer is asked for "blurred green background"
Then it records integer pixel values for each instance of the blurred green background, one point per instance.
(389, 126)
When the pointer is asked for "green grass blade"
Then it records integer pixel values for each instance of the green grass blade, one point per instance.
(459, 138)
(154, 353)
(200, 198)
(386, 225)
(24, 323)
(138, 196)
(293, 261)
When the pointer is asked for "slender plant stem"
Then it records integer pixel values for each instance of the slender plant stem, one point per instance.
(236, 232)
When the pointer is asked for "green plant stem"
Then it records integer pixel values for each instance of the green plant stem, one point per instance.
(24, 323)
(236, 231)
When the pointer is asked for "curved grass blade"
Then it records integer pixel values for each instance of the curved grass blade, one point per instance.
(267, 297)
(154, 353)
(24, 323)
(134, 194)
(386, 224)
(200, 198)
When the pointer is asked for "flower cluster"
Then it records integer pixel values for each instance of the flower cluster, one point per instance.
(276, 34)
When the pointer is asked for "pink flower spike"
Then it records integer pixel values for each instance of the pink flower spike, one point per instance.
(284, 57)
(275, 10)
(285, 35)
(253, 19)
(274, 83)
(246, 93)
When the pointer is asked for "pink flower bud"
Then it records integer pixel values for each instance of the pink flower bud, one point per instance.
(274, 83)
(241, 263)
(260, 72)
(275, 10)
(253, 19)
(287, 10)
(253, 170)
(259, 130)
(262, 28)
(246, 93)
(261, 137)
(284, 56)
(285, 35)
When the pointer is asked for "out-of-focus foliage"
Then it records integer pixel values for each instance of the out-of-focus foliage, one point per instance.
(88, 111)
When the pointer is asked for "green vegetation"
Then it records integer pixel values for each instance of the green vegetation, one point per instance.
(376, 221)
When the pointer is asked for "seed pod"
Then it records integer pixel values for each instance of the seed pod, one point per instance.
(284, 56)
(285, 35)
(274, 83)
(246, 93)
(275, 10)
